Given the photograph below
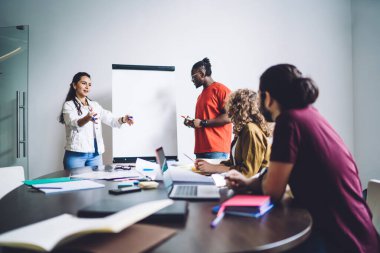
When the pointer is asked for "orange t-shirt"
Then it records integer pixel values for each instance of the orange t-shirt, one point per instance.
(210, 104)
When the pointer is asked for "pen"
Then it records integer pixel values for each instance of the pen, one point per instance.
(147, 169)
(217, 220)
(187, 117)
(189, 157)
(128, 184)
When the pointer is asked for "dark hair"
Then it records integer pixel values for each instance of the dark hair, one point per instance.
(204, 63)
(285, 83)
(71, 94)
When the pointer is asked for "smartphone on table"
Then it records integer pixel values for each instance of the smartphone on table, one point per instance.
(124, 190)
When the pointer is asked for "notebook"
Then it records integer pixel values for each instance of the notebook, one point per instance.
(177, 212)
(246, 205)
(184, 191)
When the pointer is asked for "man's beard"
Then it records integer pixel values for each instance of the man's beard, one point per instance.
(265, 112)
(198, 84)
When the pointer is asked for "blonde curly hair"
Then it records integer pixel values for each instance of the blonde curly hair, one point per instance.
(243, 107)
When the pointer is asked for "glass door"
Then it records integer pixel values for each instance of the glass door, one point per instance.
(13, 96)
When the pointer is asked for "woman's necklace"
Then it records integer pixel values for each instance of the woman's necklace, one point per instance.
(85, 101)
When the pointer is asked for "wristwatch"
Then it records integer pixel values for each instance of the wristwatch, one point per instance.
(203, 123)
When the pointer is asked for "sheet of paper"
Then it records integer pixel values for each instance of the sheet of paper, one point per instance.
(68, 186)
(183, 175)
(149, 169)
(109, 174)
(184, 166)
(219, 180)
(184, 172)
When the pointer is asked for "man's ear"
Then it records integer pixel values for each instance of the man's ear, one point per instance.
(202, 72)
(268, 99)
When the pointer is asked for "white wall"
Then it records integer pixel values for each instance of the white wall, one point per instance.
(241, 37)
(366, 65)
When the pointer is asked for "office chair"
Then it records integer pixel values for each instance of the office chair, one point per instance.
(10, 178)
(373, 197)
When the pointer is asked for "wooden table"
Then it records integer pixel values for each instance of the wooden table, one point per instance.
(280, 229)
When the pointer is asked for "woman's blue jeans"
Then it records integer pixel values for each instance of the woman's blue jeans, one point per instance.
(73, 159)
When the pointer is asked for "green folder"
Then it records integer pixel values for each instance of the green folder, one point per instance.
(48, 180)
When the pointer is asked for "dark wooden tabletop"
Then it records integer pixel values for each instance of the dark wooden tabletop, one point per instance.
(280, 229)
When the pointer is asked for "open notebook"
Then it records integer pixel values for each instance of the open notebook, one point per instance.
(48, 234)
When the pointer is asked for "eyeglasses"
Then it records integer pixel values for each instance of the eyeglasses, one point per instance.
(124, 167)
(193, 75)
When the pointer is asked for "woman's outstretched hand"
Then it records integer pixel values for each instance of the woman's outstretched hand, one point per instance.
(92, 115)
(128, 119)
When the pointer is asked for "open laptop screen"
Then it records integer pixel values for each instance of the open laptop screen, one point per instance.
(161, 159)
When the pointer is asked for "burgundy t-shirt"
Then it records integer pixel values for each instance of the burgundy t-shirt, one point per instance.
(324, 179)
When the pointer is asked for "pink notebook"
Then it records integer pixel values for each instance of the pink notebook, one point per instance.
(246, 204)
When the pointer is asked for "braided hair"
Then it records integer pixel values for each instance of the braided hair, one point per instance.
(205, 63)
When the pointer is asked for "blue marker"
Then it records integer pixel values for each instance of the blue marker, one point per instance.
(148, 169)
(125, 184)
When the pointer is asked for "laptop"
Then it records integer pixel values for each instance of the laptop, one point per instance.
(184, 191)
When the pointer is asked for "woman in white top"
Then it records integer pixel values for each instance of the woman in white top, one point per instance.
(81, 116)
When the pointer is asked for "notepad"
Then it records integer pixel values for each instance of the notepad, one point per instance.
(67, 186)
(48, 180)
(47, 234)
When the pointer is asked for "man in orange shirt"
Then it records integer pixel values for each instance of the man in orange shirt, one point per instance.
(212, 126)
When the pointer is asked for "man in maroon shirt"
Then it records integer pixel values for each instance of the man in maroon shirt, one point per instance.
(310, 156)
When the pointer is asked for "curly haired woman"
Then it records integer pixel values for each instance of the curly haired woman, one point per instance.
(250, 149)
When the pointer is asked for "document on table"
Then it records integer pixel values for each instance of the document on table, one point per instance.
(67, 186)
(186, 173)
(107, 175)
(219, 179)
(188, 176)
(148, 169)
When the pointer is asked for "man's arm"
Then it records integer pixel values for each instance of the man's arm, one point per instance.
(221, 120)
(273, 183)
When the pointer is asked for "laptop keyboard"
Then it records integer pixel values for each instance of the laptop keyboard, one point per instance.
(186, 190)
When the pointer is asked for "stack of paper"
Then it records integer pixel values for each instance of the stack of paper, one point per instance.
(67, 186)
(107, 175)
